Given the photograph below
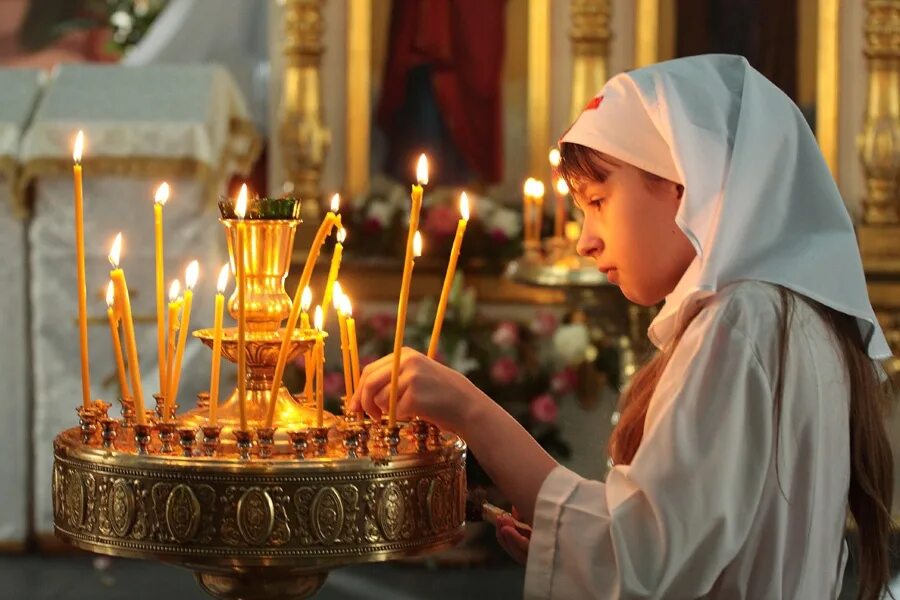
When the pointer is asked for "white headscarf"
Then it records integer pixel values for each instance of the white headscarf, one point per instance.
(759, 201)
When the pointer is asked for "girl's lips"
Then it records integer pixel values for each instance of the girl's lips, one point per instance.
(612, 275)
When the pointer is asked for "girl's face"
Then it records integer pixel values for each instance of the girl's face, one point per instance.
(629, 230)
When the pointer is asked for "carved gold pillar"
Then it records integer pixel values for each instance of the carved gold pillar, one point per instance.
(879, 143)
(590, 36)
(302, 136)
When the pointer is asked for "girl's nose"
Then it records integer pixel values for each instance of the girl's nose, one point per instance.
(588, 243)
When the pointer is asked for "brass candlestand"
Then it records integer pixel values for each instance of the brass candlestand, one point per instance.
(271, 518)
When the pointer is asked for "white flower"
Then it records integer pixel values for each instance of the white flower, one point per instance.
(506, 220)
(571, 343)
(381, 211)
(121, 20)
(459, 359)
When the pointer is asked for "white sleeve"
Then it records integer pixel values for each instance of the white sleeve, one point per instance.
(669, 523)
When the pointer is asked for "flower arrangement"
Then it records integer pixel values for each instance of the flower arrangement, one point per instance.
(518, 364)
(376, 221)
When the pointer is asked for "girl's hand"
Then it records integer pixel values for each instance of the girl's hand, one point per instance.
(425, 389)
(511, 539)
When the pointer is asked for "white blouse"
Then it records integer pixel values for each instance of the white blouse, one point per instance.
(702, 511)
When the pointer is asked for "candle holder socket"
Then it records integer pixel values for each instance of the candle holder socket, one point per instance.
(108, 432)
(127, 412)
(392, 439)
(244, 440)
(142, 437)
(187, 437)
(299, 441)
(203, 401)
(265, 437)
(320, 440)
(351, 442)
(211, 435)
(166, 432)
(418, 430)
(101, 409)
(87, 420)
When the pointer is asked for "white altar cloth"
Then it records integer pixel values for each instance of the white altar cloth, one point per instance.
(183, 124)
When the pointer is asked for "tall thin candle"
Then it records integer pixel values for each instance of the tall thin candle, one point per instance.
(448, 278)
(240, 209)
(401, 324)
(335, 266)
(218, 315)
(162, 195)
(190, 280)
(82, 284)
(345, 344)
(319, 352)
(123, 302)
(324, 229)
(113, 317)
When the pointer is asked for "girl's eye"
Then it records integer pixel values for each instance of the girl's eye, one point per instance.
(595, 202)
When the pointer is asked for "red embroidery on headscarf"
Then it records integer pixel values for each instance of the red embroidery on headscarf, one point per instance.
(594, 103)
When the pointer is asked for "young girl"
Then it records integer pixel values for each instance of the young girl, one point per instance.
(743, 442)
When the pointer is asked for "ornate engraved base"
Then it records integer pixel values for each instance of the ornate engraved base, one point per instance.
(259, 528)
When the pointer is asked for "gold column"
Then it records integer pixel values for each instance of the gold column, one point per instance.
(538, 84)
(302, 136)
(654, 31)
(828, 60)
(879, 143)
(359, 90)
(590, 36)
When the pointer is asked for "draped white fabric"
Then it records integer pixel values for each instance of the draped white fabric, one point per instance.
(137, 114)
(112, 204)
(19, 90)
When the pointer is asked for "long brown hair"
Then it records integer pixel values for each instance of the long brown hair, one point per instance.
(871, 462)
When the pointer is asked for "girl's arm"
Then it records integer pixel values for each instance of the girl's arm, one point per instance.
(515, 462)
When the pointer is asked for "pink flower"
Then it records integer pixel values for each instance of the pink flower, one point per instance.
(334, 384)
(366, 360)
(383, 324)
(441, 221)
(564, 381)
(371, 226)
(498, 236)
(544, 409)
(506, 334)
(504, 371)
(544, 323)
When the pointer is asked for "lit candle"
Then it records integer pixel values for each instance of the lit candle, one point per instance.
(113, 317)
(218, 315)
(324, 229)
(190, 280)
(562, 190)
(448, 278)
(240, 209)
(123, 302)
(162, 195)
(335, 266)
(345, 344)
(555, 159)
(526, 208)
(351, 339)
(319, 354)
(308, 364)
(174, 325)
(401, 324)
(538, 204)
(82, 285)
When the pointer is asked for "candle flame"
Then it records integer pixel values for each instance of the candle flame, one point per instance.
(538, 189)
(554, 157)
(319, 318)
(422, 170)
(191, 274)
(528, 188)
(162, 194)
(337, 295)
(110, 294)
(79, 147)
(341, 235)
(464, 206)
(335, 203)
(174, 290)
(240, 205)
(222, 282)
(347, 307)
(116, 251)
(417, 245)
(562, 188)
(306, 299)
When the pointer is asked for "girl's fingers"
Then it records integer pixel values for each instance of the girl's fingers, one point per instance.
(514, 543)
